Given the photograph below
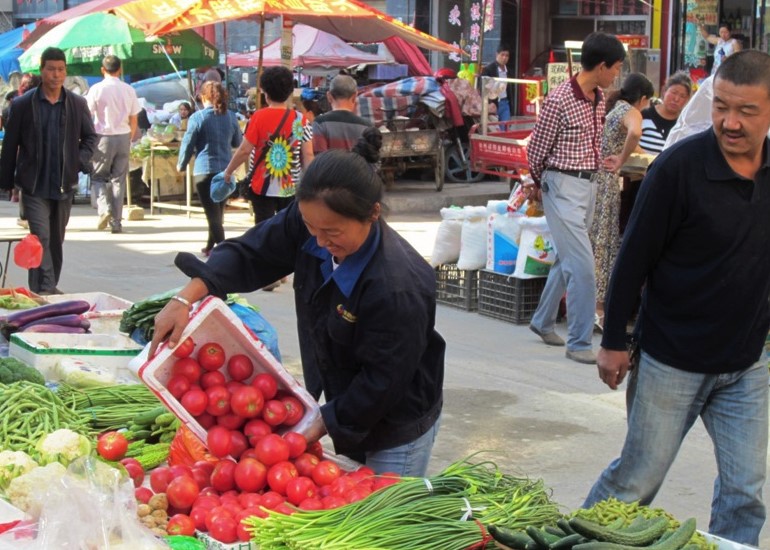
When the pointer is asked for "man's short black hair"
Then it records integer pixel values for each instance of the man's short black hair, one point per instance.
(746, 68)
(503, 48)
(600, 47)
(111, 64)
(277, 83)
(52, 54)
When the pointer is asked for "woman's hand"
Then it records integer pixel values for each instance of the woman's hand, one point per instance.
(169, 324)
(612, 164)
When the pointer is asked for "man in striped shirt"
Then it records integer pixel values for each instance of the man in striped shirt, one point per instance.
(563, 155)
(340, 128)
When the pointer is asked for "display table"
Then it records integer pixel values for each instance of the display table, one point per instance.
(155, 179)
(9, 239)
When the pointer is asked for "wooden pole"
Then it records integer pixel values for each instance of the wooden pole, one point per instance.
(261, 57)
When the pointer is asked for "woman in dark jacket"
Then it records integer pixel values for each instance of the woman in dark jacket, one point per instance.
(366, 307)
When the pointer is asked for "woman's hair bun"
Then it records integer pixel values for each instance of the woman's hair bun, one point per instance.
(369, 144)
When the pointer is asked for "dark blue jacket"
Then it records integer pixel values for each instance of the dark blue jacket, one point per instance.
(20, 161)
(370, 334)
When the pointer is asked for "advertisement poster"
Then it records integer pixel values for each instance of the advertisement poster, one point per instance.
(695, 48)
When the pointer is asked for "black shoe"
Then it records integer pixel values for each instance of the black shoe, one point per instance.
(116, 230)
(50, 292)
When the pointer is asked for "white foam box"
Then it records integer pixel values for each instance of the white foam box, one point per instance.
(213, 321)
(105, 312)
(45, 351)
(724, 544)
(213, 544)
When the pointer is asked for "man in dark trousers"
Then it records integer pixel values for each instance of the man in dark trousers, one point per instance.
(49, 138)
(697, 244)
(341, 127)
(499, 68)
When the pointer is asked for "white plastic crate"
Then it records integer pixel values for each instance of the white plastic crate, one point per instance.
(105, 312)
(213, 321)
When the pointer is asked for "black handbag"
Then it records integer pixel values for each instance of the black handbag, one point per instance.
(243, 186)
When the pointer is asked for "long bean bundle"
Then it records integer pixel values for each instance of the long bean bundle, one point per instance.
(112, 407)
(28, 411)
(447, 511)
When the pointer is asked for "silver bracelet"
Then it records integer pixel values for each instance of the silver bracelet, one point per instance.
(181, 300)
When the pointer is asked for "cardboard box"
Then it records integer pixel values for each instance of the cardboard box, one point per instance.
(44, 351)
(213, 321)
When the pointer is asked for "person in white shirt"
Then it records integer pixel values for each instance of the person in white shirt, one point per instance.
(114, 106)
(724, 44)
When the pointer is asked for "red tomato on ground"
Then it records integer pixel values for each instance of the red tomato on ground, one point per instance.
(211, 356)
(218, 441)
(247, 402)
(112, 446)
(294, 410)
(275, 412)
(266, 384)
(195, 402)
(272, 449)
(184, 349)
(240, 367)
(326, 472)
(182, 492)
(187, 367)
(181, 524)
(250, 475)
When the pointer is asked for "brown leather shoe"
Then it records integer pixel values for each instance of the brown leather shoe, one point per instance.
(549, 338)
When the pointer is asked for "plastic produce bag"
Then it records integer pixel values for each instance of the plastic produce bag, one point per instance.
(257, 324)
(446, 248)
(503, 235)
(105, 517)
(473, 241)
(536, 249)
(28, 253)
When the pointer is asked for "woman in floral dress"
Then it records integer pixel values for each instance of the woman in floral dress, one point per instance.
(622, 130)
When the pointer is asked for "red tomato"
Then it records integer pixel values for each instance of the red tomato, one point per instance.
(299, 489)
(219, 400)
(135, 471)
(130, 460)
(255, 430)
(244, 533)
(204, 465)
(216, 513)
(178, 385)
(187, 367)
(185, 348)
(195, 402)
(294, 410)
(218, 441)
(272, 449)
(212, 378)
(249, 453)
(112, 446)
(182, 492)
(143, 494)
(313, 503)
(316, 449)
(364, 472)
(250, 475)
(240, 367)
(238, 444)
(305, 464)
(224, 529)
(206, 420)
(271, 499)
(179, 470)
(207, 502)
(297, 443)
(198, 516)
(326, 472)
(358, 493)
(266, 384)
(275, 412)
(247, 402)
(385, 479)
(341, 486)
(284, 509)
(201, 477)
(222, 477)
(211, 356)
(181, 524)
(230, 421)
(160, 478)
(332, 502)
(250, 500)
(279, 475)
(233, 385)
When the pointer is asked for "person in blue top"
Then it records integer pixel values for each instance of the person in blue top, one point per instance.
(365, 303)
(212, 133)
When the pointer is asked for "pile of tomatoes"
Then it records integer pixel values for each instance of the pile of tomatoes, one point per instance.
(257, 469)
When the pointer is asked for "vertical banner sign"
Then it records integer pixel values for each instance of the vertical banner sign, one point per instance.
(287, 42)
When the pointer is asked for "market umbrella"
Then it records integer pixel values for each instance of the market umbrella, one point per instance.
(10, 50)
(88, 38)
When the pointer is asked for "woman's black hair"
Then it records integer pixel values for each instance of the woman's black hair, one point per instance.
(277, 83)
(346, 181)
(635, 86)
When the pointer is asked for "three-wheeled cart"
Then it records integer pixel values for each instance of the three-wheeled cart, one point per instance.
(405, 148)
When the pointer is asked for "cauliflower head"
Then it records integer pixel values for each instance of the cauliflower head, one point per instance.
(63, 446)
(28, 491)
(12, 465)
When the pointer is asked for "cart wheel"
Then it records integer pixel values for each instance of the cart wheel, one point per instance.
(455, 169)
(438, 169)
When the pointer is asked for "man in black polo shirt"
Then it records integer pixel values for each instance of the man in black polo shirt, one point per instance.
(49, 138)
(698, 240)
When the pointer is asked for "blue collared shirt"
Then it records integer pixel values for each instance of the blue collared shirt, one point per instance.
(347, 274)
(212, 138)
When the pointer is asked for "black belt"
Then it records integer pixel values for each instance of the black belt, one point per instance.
(579, 174)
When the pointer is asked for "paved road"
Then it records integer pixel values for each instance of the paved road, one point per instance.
(537, 413)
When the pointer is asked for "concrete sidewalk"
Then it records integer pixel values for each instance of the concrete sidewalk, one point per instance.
(537, 413)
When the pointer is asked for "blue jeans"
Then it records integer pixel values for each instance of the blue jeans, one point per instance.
(569, 205)
(503, 110)
(664, 403)
(410, 459)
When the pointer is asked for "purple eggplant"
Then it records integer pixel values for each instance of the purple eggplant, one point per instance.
(69, 320)
(18, 319)
(43, 327)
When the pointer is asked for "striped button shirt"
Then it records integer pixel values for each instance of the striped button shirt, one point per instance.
(568, 133)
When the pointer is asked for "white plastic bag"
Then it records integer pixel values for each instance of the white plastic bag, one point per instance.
(446, 248)
(536, 249)
(473, 241)
(503, 235)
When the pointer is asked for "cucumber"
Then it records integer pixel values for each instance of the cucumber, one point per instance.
(543, 538)
(165, 419)
(557, 531)
(676, 541)
(568, 542)
(592, 530)
(513, 539)
(565, 526)
(148, 417)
